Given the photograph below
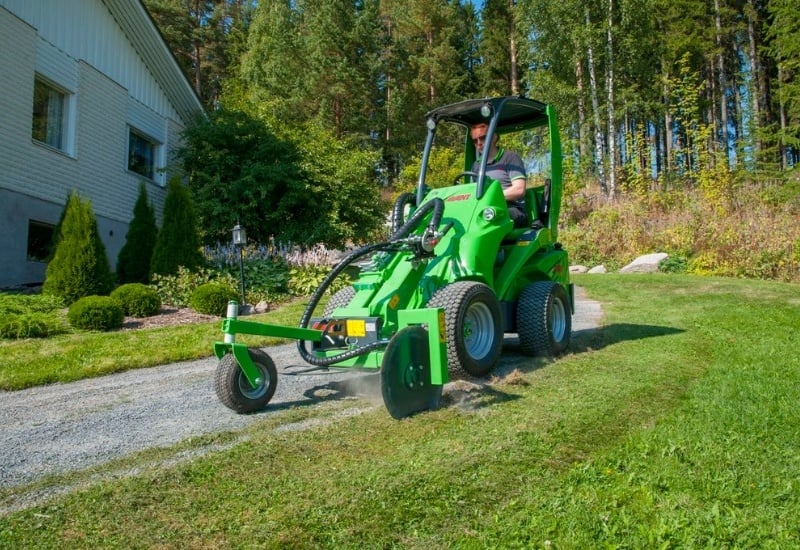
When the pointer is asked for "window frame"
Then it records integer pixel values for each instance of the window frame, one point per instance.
(151, 171)
(65, 143)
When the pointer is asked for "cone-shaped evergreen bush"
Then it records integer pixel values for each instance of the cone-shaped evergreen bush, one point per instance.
(133, 262)
(178, 243)
(80, 265)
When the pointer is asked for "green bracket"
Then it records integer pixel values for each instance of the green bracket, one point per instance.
(242, 357)
(433, 320)
(236, 326)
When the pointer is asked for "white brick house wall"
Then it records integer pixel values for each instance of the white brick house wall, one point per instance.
(93, 51)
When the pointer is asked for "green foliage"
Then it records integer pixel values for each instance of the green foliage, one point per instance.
(178, 243)
(211, 299)
(305, 186)
(133, 262)
(79, 266)
(444, 164)
(11, 303)
(176, 290)
(137, 300)
(305, 280)
(96, 313)
(30, 316)
(30, 325)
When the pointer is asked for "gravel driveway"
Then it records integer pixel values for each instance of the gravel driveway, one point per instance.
(69, 427)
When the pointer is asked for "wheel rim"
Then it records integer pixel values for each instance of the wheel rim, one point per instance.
(558, 320)
(478, 330)
(259, 391)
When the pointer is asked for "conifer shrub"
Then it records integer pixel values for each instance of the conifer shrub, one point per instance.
(133, 262)
(211, 299)
(96, 313)
(178, 242)
(80, 265)
(137, 300)
(29, 325)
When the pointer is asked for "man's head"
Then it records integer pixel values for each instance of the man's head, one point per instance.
(478, 134)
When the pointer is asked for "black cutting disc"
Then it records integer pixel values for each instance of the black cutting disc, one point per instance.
(406, 374)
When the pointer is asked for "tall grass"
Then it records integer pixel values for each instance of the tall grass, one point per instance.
(754, 234)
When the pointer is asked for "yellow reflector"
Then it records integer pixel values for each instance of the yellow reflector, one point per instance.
(356, 327)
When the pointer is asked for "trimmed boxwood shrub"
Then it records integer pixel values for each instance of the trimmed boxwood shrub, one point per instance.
(137, 300)
(211, 299)
(96, 313)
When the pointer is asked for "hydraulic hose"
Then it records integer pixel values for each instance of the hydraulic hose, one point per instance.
(399, 208)
(437, 205)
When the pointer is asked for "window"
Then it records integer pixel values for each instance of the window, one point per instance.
(141, 154)
(49, 109)
(40, 241)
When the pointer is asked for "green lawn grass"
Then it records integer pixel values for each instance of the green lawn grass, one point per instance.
(676, 425)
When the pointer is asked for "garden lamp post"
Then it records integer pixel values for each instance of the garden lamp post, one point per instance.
(239, 241)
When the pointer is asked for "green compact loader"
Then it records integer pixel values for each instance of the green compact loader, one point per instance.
(454, 277)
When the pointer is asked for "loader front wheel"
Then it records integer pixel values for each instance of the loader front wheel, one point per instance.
(235, 391)
(473, 326)
(544, 319)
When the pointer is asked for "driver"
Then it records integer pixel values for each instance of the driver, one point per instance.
(505, 167)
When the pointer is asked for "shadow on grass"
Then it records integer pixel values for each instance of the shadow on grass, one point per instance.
(470, 393)
(608, 335)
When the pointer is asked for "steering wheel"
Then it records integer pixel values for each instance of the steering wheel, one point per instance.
(472, 175)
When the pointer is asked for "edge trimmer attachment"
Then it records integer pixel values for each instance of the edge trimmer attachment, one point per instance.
(414, 366)
(413, 363)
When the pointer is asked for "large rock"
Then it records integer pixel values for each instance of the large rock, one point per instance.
(645, 264)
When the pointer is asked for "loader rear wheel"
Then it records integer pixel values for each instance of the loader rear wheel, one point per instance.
(342, 298)
(235, 391)
(544, 319)
(406, 374)
(473, 326)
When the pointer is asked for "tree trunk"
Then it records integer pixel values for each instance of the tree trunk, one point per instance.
(612, 149)
(598, 129)
(755, 67)
(583, 149)
(723, 84)
(667, 167)
(512, 46)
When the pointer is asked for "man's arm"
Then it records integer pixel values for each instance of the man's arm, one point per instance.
(515, 191)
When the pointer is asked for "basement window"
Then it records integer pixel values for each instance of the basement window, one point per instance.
(40, 240)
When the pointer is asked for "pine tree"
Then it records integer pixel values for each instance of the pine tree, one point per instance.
(133, 262)
(80, 265)
(178, 242)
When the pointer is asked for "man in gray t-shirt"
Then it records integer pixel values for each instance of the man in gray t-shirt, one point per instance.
(504, 166)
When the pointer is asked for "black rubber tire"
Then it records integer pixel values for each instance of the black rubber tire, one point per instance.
(473, 326)
(340, 299)
(233, 389)
(544, 319)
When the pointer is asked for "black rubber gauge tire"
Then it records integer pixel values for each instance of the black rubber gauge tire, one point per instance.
(235, 391)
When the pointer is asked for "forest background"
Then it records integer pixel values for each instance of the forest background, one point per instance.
(680, 119)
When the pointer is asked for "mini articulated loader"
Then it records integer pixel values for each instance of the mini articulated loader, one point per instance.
(441, 292)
